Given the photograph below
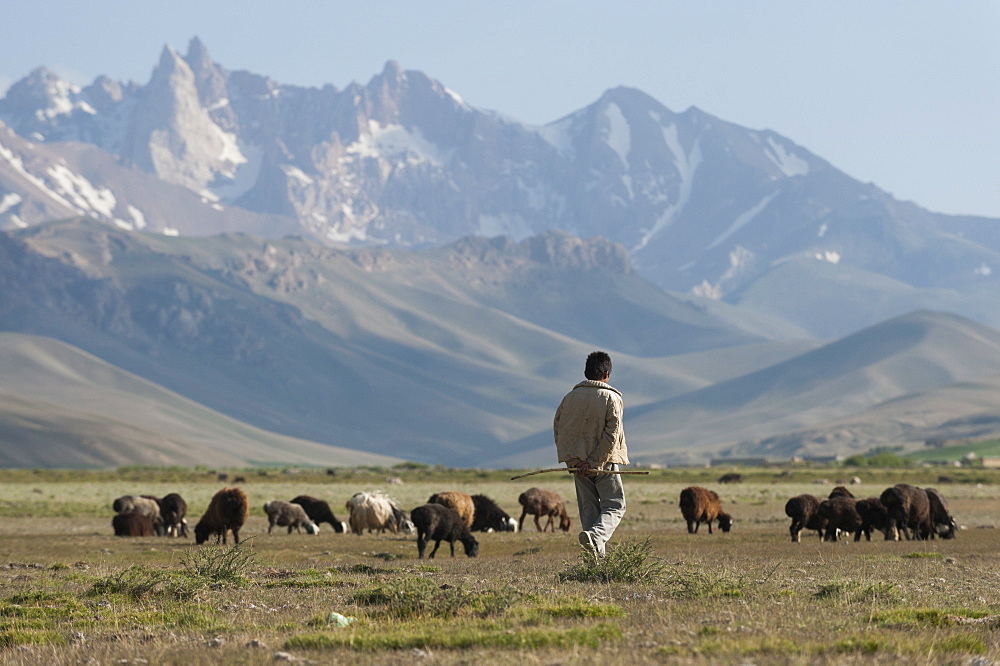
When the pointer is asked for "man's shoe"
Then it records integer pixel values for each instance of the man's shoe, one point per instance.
(587, 541)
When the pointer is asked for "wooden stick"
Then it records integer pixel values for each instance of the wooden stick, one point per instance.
(573, 469)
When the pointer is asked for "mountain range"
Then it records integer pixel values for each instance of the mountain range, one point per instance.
(390, 270)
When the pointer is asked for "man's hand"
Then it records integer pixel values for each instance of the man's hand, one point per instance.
(582, 468)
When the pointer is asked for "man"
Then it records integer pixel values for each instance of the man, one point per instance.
(590, 436)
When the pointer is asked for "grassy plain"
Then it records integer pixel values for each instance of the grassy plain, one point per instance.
(72, 593)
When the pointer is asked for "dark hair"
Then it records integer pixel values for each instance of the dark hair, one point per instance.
(598, 366)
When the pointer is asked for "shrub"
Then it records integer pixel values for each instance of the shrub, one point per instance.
(630, 562)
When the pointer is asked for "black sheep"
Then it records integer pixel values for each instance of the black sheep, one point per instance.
(173, 509)
(909, 511)
(804, 512)
(874, 515)
(944, 524)
(841, 515)
(442, 523)
(319, 511)
(489, 516)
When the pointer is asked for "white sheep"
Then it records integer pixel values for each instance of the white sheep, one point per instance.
(377, 511)
(283, 513)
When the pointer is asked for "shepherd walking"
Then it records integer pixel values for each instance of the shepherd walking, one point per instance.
(590, 436)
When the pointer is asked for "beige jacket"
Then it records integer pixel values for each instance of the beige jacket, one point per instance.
(588, 425)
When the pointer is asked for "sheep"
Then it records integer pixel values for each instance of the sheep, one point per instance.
(458, 501)
(319, 512)
(173, 510)
(132, 524)
(731, 477)
(840, 515)
(804, 512)
(540, 502)
(909, 511)
(288, 513)
(375, 511)
(700, 505)
(840, 491)
(489, 517)
(146, 505)
(944, 525)
(873, 515)
(442, 523)
(228, 510)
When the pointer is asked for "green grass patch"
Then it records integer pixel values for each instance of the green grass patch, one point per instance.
(910, 618)
(10, 638)
(407, 598)
(529, 551)
(448, 636)
(857, 644)
(577, 607)
(701, 584)
(853, 591)
(629, 562)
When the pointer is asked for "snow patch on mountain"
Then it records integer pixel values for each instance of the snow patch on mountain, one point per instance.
(84, 196)
(246, 163)
(788, 163)
(619, 134)
(686, 165)
(742, 220)
(8, 201)
(398, 142)
(829, 256)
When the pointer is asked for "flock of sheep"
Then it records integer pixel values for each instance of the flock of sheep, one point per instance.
(916, 513)
(447, 516)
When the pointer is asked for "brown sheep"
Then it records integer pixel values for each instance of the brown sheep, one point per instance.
(228, 510)
(458, 501)
(700, 505)
(132, 524)
(840, 491)
(539, 502)
(909, 511)
(804, 512)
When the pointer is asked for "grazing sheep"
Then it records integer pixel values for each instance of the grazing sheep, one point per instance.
(540, 502)
(173, 510)
(132, 524)
(841, 516)
(944, 525)
(146, 505)
(873, 515)
(458, 501)
(700, 505)
(909, 511)
(375, 511)
(228, 510)
(319, 512)
(287, 513)
(489, 517)
(442, 523)
(804, 512)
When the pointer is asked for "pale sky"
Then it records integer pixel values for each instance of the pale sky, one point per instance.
(904, 94)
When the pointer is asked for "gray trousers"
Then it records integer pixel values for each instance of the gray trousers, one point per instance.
(601, 499)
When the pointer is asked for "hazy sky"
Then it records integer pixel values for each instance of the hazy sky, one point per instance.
(905, 94)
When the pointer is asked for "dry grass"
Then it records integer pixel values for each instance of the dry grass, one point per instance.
(72, 592)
